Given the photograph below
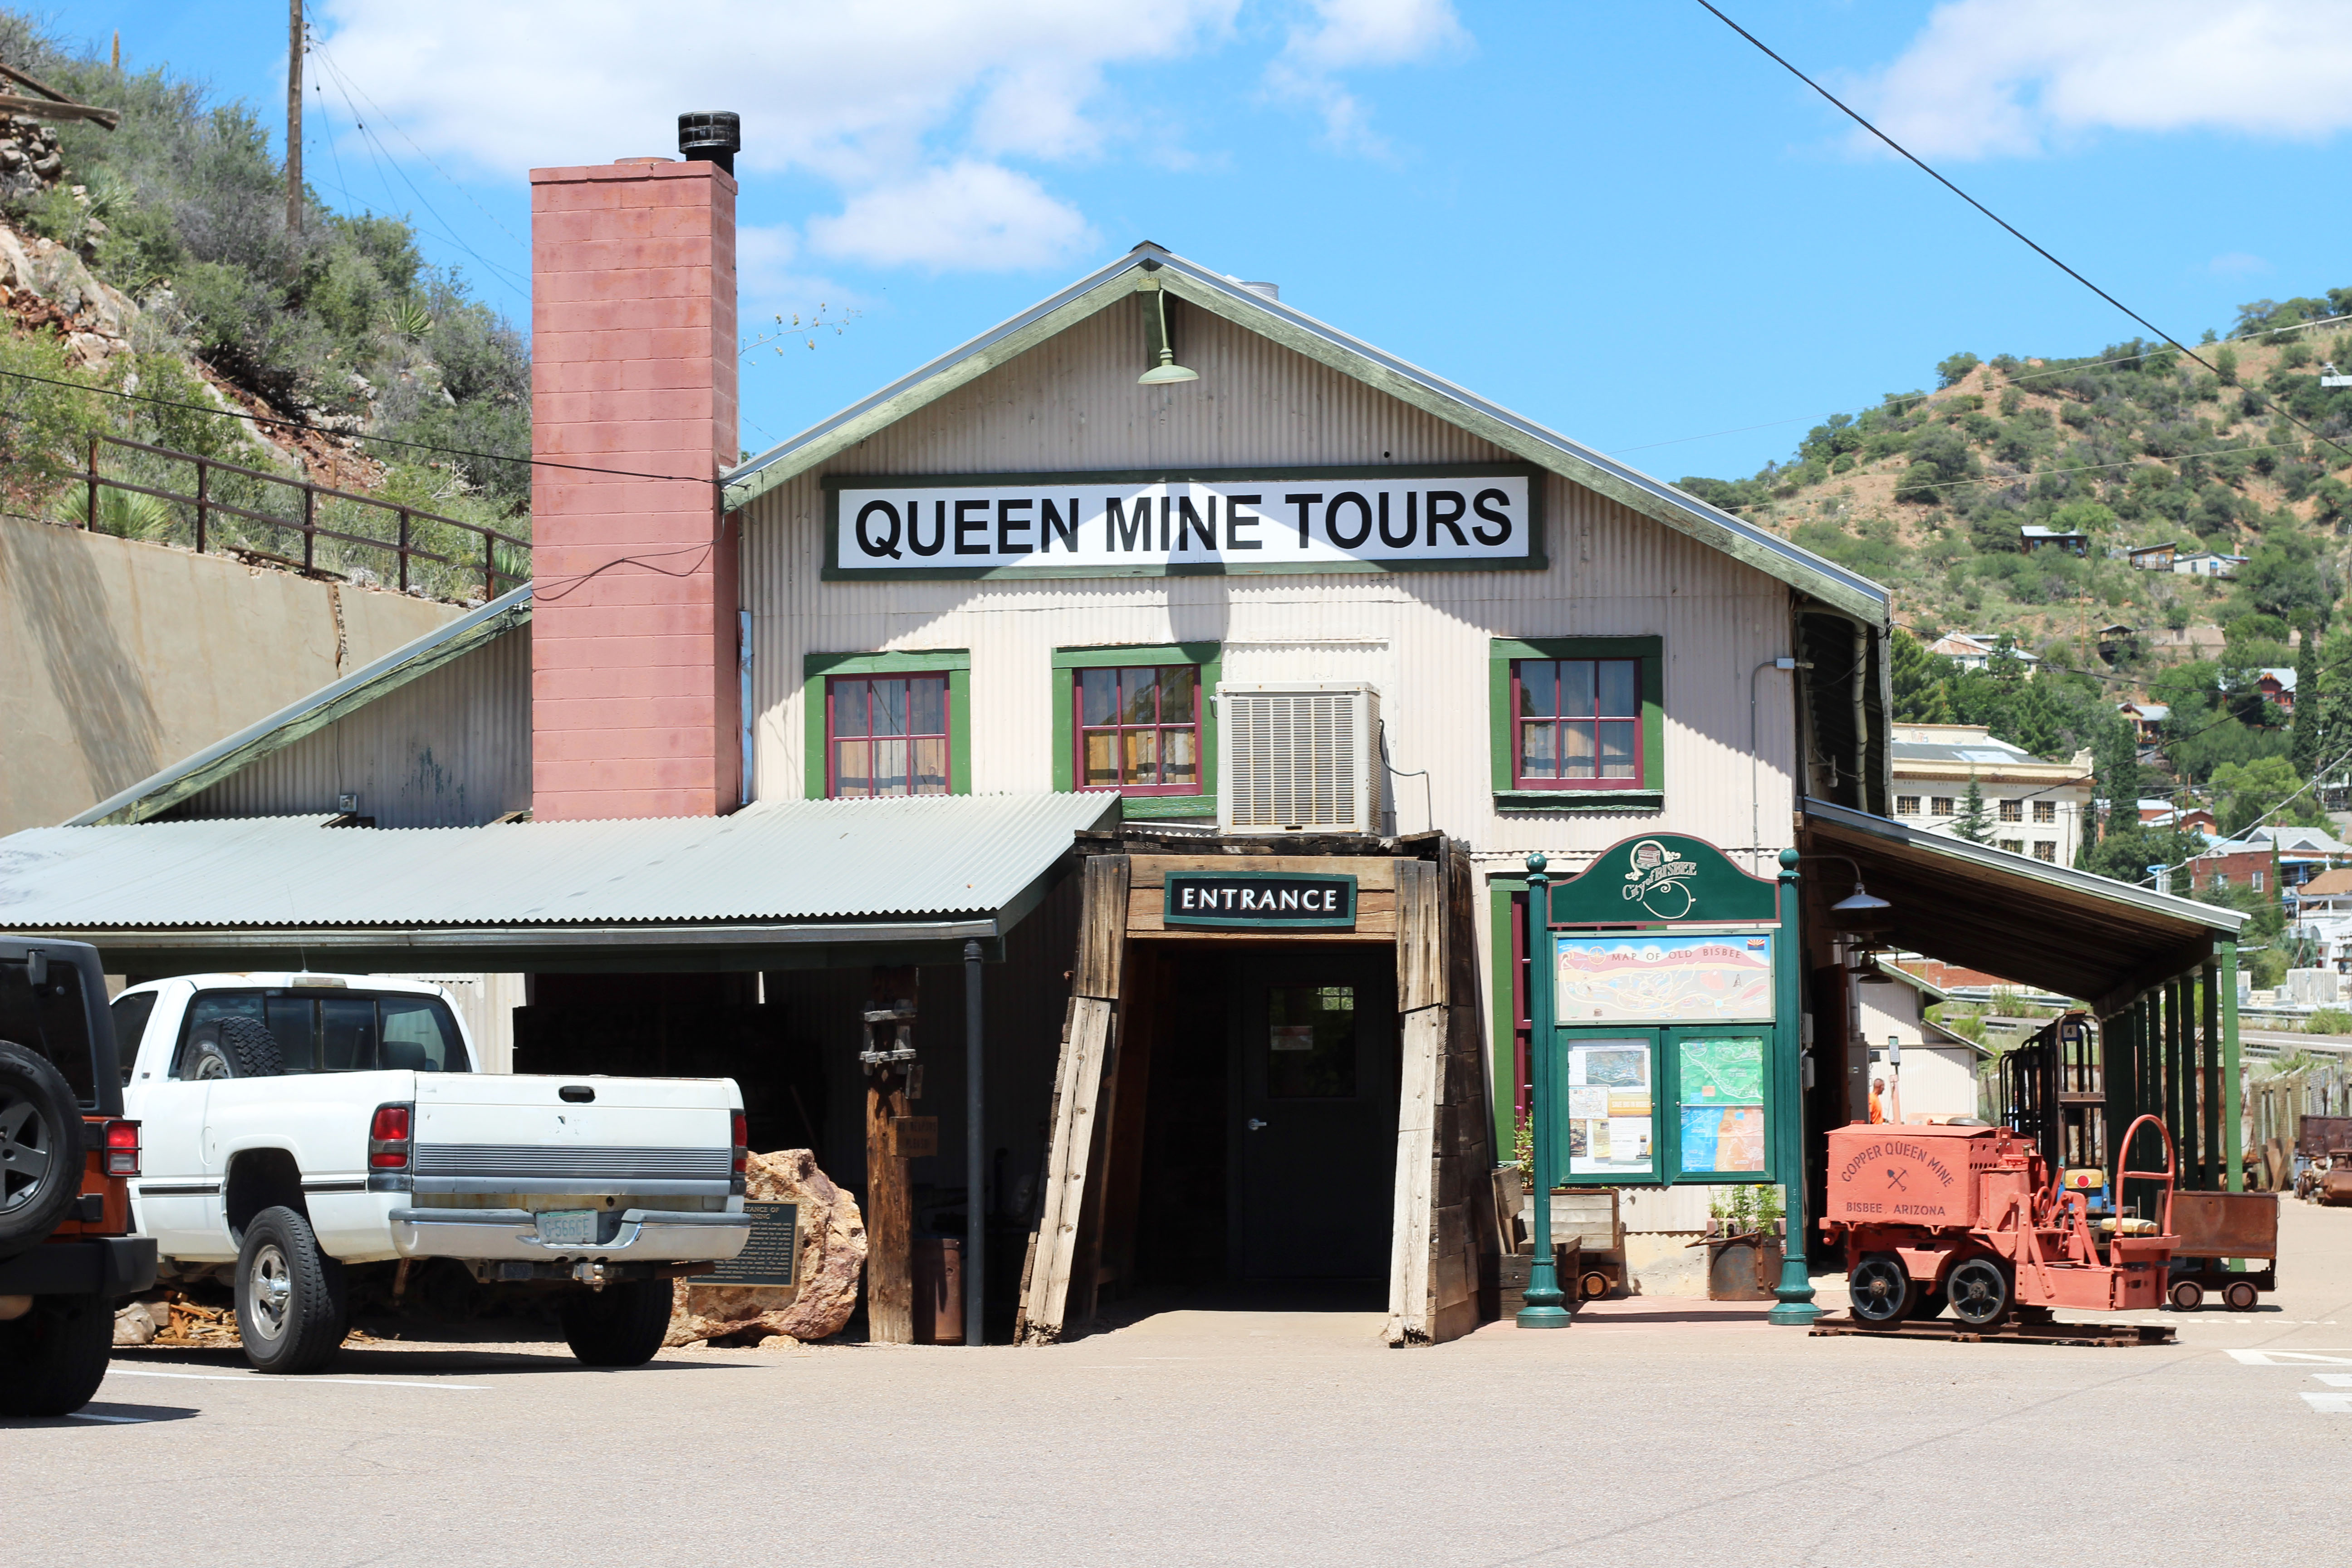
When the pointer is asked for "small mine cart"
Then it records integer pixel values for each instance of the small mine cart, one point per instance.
(1971, 1217)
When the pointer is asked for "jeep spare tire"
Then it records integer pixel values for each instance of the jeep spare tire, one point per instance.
(40, 1148)
(234, 1048)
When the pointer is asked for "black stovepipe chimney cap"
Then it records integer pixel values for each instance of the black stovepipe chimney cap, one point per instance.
(713, 136)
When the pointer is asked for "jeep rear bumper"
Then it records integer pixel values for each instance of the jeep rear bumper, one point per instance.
(642, 1235)
(116, 1264)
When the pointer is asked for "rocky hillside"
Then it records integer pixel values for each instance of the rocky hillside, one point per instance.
(155, 259)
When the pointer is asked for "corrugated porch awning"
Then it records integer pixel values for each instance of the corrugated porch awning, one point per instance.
(789, 884)
(2041, 924)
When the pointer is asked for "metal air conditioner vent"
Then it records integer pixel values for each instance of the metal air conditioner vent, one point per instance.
(1299, 758)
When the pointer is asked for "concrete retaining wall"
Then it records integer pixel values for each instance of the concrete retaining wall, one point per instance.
(118, 659)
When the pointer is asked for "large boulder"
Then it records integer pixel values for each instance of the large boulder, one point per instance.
(830, 1255)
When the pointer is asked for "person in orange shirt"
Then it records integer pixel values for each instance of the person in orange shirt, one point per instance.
(1877, 1111)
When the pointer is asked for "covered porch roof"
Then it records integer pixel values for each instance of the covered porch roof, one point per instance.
(783, 885)
(2065, 931)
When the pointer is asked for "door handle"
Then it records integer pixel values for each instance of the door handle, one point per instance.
(1255, 1124)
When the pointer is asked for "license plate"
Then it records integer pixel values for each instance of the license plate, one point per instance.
(568, 1227)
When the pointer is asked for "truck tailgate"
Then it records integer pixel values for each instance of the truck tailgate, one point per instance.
(485, 1132)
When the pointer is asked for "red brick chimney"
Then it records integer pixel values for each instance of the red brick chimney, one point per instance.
(633, 683)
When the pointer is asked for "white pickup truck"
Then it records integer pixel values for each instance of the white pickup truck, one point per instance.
(313, 1136)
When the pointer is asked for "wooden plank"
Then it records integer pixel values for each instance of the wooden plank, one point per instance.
(1409, 1250)
(1145, 988)
(1421, 939)
(1102, 928)
(1146, 909)
(1381, 933)
(1373, 873)
(914, 1137)
(1068, 1153)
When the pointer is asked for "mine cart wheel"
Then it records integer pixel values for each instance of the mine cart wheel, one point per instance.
(1980, 1293)
(2241, 1296)
(1880, 1287)
(2187, 1295)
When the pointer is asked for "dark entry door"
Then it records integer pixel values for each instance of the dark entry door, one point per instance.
(1314, 1129)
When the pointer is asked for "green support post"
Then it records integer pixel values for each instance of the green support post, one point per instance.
(2175, 996)
(2213, 1167)
(2232, 1113)
(1543, 1309)
(1795, 1290)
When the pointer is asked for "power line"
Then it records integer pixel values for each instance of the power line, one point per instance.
(1996, 217)
(283, 423)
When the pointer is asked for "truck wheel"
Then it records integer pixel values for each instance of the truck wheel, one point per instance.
(1880, 1288)
(235, 1047)
(40, 1148)
(291, 1310)
(1980, 1293)
(621, 1325)
(53, 1357)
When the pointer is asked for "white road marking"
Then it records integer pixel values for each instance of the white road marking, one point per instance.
(297, 1381)
(2335, 1379)
(2288, 1358)
(112, 1420)
(2330, 1404)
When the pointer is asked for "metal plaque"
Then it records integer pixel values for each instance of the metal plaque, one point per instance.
(769, 1255)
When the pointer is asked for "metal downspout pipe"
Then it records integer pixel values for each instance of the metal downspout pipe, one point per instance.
(975, 1140)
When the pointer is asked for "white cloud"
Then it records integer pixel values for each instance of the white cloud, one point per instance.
(1991, 77)
(2237, 264)
(1346, 33)
(968, 217)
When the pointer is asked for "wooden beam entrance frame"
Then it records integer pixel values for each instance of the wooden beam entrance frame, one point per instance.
(1418, 895)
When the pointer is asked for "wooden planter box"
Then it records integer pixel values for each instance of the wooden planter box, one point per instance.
(1515, 1265)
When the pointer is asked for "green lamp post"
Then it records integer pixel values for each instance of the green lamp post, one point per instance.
(1795, 1290)
(1545, 1308)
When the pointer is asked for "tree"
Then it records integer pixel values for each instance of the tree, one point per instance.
(1973, 824)
(1921, 681)
(1953, 371)
(2281, 579)
(2307, 702)
(2246, 794)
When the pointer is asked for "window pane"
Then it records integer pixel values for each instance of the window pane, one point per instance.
(889, 767)
(1539, 752)
(1177, 760)
(1098, 696)
(890, 707)
(211, 1007)
(928, 705)
(1576, 688)
(1102, 758)
(1179, 687)
(347, 1033)
(1138, 692)
(1538, 688)
(1576, 750)
(931, 766)
(849, 708)
(1617, 750)
(419, 1035)
(852, 768)
(289, 1018)
(1310, 1042)
(1619, 696)
(1142, 756)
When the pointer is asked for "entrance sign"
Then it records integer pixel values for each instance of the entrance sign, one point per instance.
(1393, 516)
(1663, 979)
(1248, 900)
(1661, 880)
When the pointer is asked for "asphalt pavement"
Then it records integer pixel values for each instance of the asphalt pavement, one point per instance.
(1653, 1431)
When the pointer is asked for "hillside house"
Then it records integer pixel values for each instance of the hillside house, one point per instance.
(2154, 557)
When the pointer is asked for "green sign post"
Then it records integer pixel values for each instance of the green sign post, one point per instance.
(1664, 994)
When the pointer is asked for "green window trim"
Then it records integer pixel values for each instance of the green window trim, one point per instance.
(1206, 657)
(954, 662)
(1509, 796)
(1503, 948)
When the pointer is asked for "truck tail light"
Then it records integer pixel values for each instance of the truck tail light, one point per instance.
(122, 1148)
(741, 1126)
(388, 1142)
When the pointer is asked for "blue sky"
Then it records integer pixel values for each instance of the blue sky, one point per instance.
(1618, 219)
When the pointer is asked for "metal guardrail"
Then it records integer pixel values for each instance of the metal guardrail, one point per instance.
(206, 506)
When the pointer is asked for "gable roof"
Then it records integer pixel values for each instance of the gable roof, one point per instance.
(159, 792)
(1296, 330)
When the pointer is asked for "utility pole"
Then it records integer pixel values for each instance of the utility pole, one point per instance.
(294, 117)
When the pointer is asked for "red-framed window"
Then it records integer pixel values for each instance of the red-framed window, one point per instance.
(1139, 728)
(1575, 723)
(885, 735)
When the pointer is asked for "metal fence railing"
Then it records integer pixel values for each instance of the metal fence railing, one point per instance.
(353, 527)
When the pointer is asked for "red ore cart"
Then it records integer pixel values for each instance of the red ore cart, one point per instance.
(1971, 1218)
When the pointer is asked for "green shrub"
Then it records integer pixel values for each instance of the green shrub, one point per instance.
(2328, 1021)
(1953, 371)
